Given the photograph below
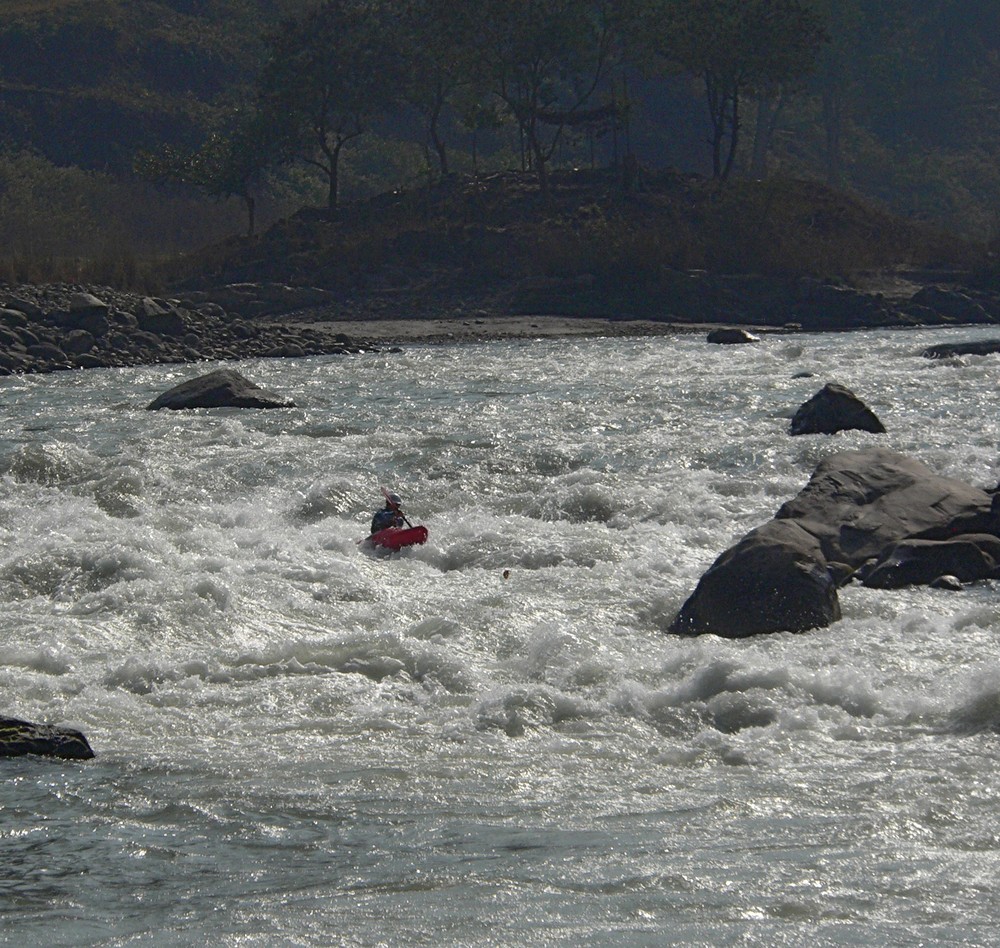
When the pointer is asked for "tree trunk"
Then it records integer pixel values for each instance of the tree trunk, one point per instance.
(717, 113)
(734, 131)
(833, 124)
(769, 107)
(333, 178)
(251, 206)
(439, 145)
(540, 162)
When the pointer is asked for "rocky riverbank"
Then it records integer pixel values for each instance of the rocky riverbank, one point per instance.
(57, 327)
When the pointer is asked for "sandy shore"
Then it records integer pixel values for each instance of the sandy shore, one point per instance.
(381, 333)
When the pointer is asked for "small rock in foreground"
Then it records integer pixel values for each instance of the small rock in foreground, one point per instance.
(224, 388)
(18, 738)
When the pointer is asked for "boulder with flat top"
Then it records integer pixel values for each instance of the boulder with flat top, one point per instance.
(224, 388)
(858, 504)
(881, 517)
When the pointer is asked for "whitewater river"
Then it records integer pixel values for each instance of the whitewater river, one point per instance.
(299, 743)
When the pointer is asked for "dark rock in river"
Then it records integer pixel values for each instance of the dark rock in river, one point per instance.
(835, 408)
(951, 583)
(968, 558)
(860, 503)
(947, 350)
(731, 337)
(885, 515)
(18, 738)
(775, 579)
(223, 388)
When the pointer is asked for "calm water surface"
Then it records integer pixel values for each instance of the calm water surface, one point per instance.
(301, 743)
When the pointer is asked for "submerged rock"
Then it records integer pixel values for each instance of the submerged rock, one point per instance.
(224, 388)
(18, 738)
(951, 583)
(947, 350)
(834, 408)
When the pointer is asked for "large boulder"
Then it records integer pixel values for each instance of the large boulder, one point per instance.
(78, 341)
(968, 558)
(880, 515)
(775, 579)
(951, 304)
(859, 503)
(160, 318)
(87, 312)
(18, 738)
(834, 408)
(85, 303)
(224, 388)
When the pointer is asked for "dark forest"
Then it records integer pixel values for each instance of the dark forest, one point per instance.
(137, 131)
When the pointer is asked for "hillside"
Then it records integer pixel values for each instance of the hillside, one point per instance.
(89, 89)
(492, 244)
(90, 82)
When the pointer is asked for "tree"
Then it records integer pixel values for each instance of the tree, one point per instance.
(437, 40)
(232, 164)
(858, 69)
(737, 47)
(545, 62)
(328, 74)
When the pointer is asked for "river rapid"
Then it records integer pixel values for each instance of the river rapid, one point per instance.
(490, 739)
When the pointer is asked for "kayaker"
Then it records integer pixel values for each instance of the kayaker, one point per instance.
(391, 515)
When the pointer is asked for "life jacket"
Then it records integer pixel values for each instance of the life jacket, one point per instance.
(386, 518)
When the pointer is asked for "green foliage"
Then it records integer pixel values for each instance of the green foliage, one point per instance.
(89, 83)
(68, 225)
(225, 165)
(779, 228)
(437, 42)
(329, 73)
(377, 95)
(544, 60)
(588, 249)
(737, 47)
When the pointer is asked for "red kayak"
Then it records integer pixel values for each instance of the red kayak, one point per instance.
(395, 538)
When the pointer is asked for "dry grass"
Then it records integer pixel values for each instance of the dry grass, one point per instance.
(501, 228)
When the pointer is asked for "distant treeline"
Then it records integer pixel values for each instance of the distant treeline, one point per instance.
(264, 105)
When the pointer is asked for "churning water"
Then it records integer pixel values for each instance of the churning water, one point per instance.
(301, 743)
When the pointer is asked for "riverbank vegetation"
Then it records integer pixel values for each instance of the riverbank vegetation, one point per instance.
(741, 135)
(500, 227)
